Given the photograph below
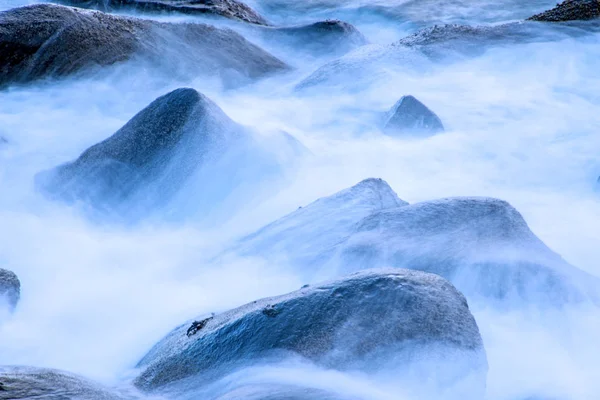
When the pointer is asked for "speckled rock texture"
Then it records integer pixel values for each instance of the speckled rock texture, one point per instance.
(10, 288)
(570, 10)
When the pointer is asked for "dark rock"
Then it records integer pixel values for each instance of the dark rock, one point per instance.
(570, 10)
(330, 37)
(48, 384)
(357, 322)
(409, 115)
(197, 325)
(51, 41)
(146, 163)
(10, 288)
(481, 245)
(232, 9)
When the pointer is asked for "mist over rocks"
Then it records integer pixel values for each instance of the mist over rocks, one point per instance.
(482, 245)
(408, 116)
(180, 136)
(53, 41)
(312, 231)
(353, 323)
(18, 382)
(10, 288)
(329, 37)
(231, 9)
(570, 10)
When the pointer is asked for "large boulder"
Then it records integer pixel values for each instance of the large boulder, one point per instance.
(323, 38)
(482, 245)
(48, 384)
(51, 41)
(10, 288)
(570, 10)
(232, 9)
(311, 233)
(410, 116)
(180, 136)
(370, 321)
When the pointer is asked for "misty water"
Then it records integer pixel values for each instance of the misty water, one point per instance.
(522, 124)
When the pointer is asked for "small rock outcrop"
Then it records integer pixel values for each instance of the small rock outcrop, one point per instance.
(52, 41)
(10, 288)
(352, 323)
(232, 9)
(48, 384)
(330, 37)
(570, 10)
(409, 115)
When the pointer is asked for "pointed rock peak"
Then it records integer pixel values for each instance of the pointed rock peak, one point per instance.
(410, 115)
(374, 192)
(158, 127)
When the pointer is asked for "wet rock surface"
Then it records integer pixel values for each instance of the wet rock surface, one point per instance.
(232, 9)
(52, 41)
(346, 324)
(570, 10)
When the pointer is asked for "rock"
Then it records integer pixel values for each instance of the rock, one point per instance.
(409, 115)
(375, 64)
(364, 321)
(330, 38)
(570, 10)
(180, 136)
(49, 384)
(231, 9)
(51, 41)
(311, 232)
(482, 245)
(10, 288)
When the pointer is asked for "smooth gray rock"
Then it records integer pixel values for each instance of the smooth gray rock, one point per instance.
(231, 9)
(179, 136)
(48, 384)
(51, 41)
(408, 116)
(10, 288)
(482, 245)
(570, 10)
(364, 321)
(323, 38)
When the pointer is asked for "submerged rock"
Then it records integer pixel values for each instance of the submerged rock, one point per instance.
(365, 321)
(330, 37)
(51, 41)
(570, 10)
(232, 9)
(10, 288)
(482, 245)
(409, 115)
(49, 384)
